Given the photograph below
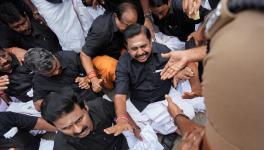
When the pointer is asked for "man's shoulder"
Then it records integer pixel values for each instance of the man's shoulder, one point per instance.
(160, 48)
(61, 142)
(66, 53)
(102, 23)
(99, 104)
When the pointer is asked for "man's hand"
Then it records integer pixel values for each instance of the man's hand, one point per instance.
(192, 140)
(148, 23)
(83, 82)
(122, 125)
(190, 7)
(4, 82)
(184, 74)
(18, 52)
(173, 109)
(191, 95)
(197, 36)
(96, 84)
(39, 18)
(37, 104)
(177, 61)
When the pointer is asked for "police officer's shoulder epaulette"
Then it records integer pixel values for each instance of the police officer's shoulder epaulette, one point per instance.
(217, 19)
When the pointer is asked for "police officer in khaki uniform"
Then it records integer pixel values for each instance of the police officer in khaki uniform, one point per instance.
(233, 79)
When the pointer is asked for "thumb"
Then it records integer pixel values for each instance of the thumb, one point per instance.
(76, 79)
(166, 55)
(168, 98)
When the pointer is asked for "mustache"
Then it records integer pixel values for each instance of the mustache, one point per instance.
(83, 129)
(7, 63)
(145, 53)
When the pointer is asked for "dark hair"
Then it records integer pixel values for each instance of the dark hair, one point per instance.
(38, 59)
(136, 29)
(9, 13)
(236, 6)
(157, 3)
(1, 49)
(124, 7)
(59, 103)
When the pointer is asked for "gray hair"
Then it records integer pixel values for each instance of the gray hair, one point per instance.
(38, 59)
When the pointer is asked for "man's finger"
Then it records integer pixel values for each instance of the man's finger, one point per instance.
(168, 98)
(175, 81)
(187, 95)
(110, 130)
(166, 55)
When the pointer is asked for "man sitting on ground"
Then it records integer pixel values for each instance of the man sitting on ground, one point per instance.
(81, 125)
(53, 71)
(138, 73)
(23, 31)
(104, 43)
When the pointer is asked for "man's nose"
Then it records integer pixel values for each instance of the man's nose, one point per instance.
(77, 129)
(3, 60)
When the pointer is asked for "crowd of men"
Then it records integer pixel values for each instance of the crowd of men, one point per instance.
(105, 74)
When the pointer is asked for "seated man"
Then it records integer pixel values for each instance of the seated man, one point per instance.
(169, 17)
(53, 71)
(104, 43)
(81, 126)
(14, 131)
(138, 73)
(16, 78)
(22, 31)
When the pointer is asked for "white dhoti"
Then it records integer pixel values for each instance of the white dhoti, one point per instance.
(157, 115)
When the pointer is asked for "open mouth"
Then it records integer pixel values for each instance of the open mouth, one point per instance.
(7, 65)
(142, 58)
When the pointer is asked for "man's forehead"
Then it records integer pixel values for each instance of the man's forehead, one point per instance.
(70, 118)
(20, 21)
(137, 44)
(2, 52)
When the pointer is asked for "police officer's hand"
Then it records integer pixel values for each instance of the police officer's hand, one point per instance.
(192, 140)
(83, 82)
(96, 84)
(177, 61)
(4, 81)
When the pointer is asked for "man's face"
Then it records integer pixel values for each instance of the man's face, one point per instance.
(55, 70)
(5, 62)
(128, 18)
(76, 123)
(139, 47)
(22, 26)
(161, 11)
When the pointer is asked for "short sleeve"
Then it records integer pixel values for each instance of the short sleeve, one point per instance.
(38, 90)
(122, 75)
(21, 121)
(96, 40)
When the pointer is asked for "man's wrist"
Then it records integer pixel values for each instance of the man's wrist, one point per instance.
(91, 75)
(122, 118)
(148, 15)
(178, 117)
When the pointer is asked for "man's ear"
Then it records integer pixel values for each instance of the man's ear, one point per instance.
(169, 3)
(86, 107)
